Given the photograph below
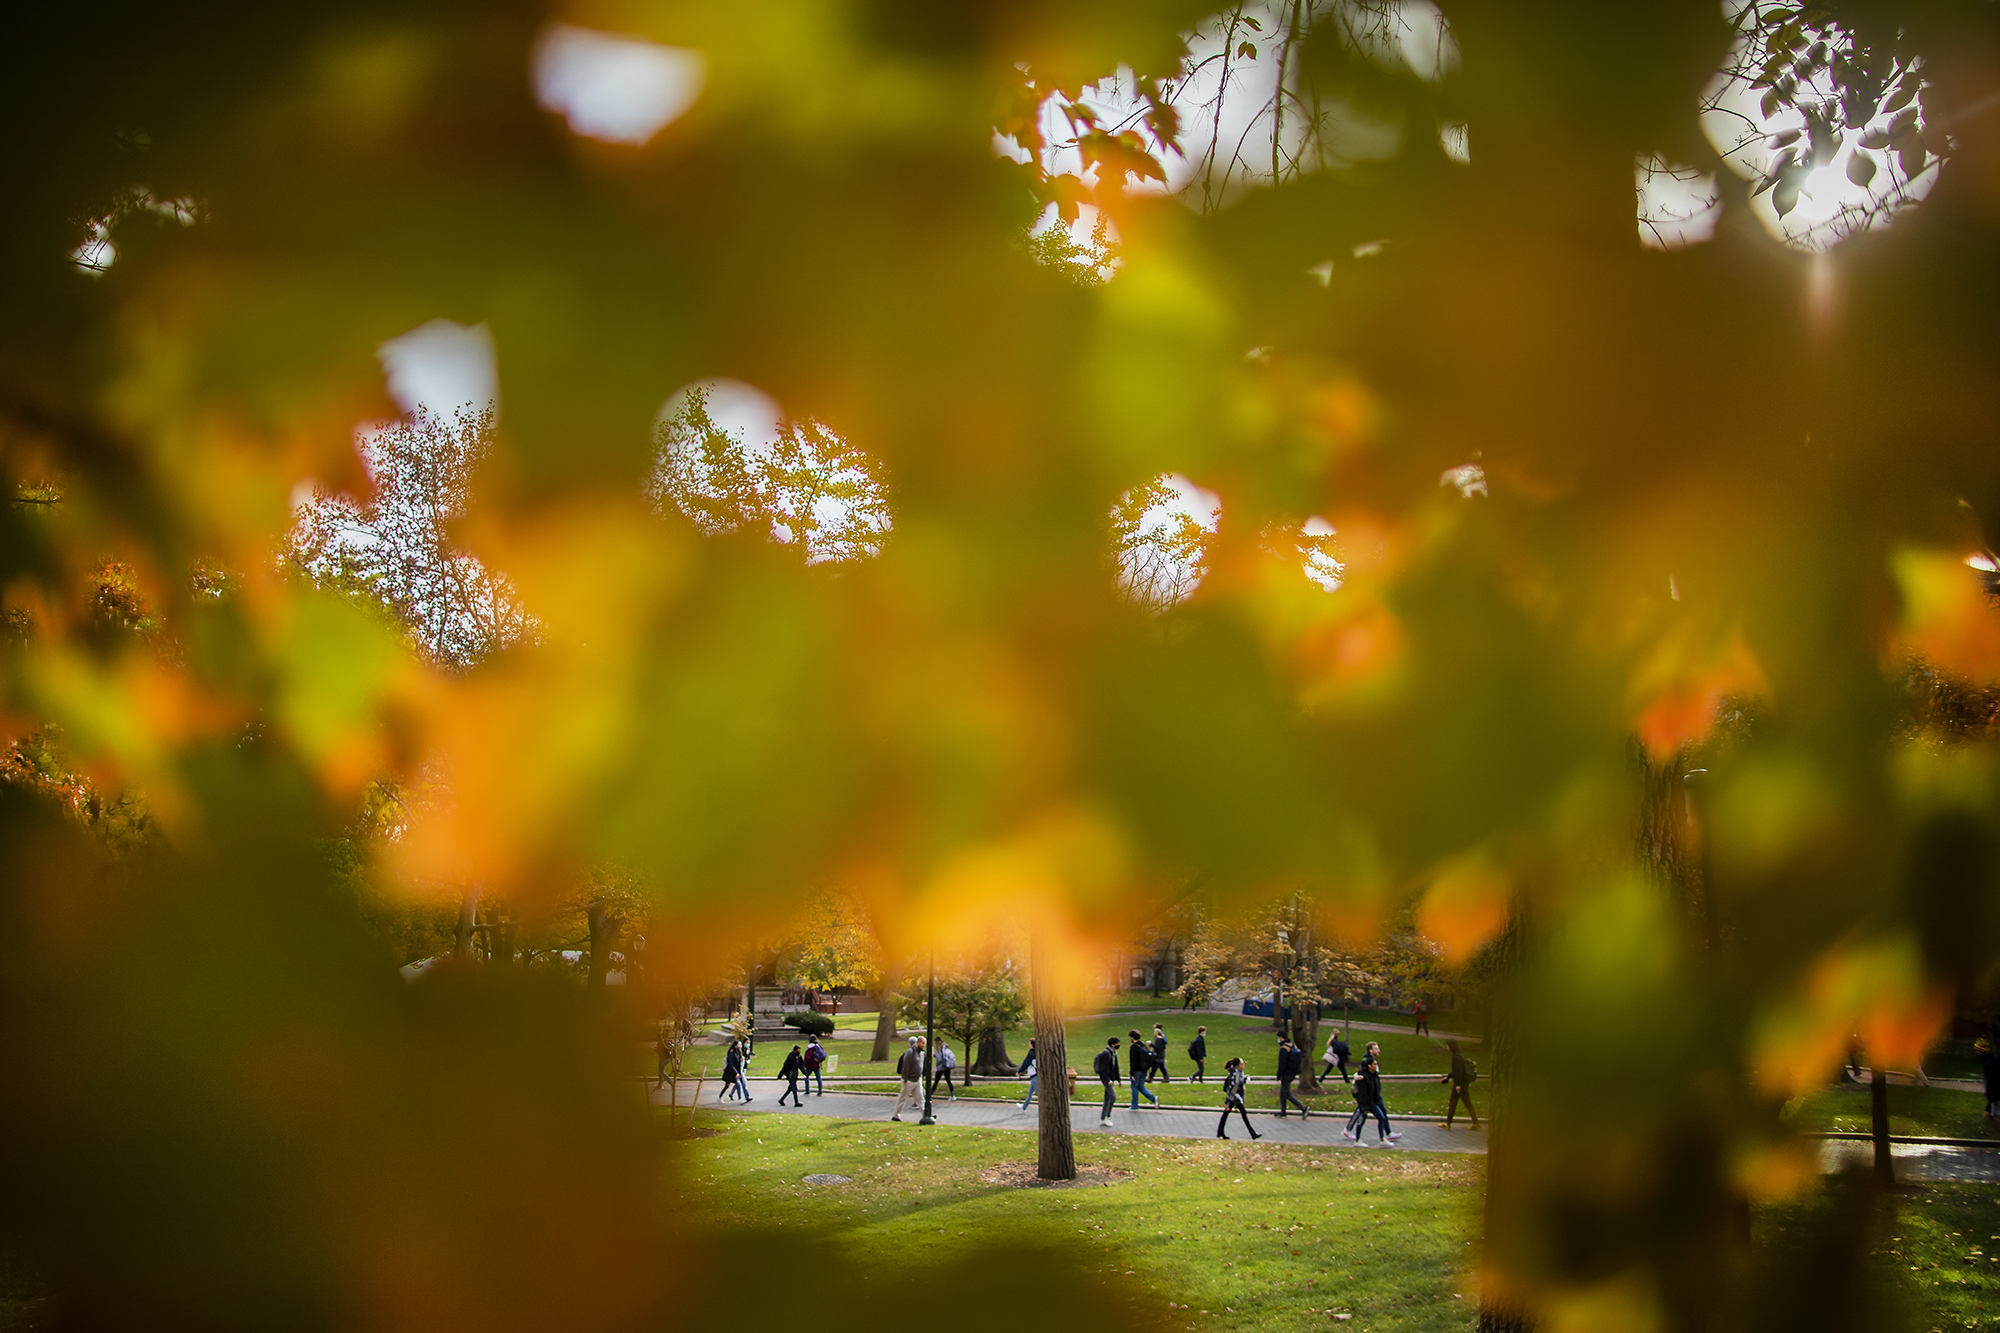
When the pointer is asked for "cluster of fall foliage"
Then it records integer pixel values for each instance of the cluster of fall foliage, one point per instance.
(1607, 596)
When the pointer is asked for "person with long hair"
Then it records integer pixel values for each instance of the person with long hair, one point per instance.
(1233, 1082)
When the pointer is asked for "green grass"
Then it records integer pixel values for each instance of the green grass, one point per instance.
(1920, 1257)
(1250, 1236)
(1918, 1112)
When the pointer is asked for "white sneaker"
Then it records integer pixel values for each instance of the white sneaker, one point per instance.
(1395, 1136)
(1347, 1134)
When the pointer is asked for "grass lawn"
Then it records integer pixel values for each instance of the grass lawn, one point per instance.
(1249, 1235)
(1920, 1112)
(1929, 1258)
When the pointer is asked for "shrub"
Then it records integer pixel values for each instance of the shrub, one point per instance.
(813, 1025)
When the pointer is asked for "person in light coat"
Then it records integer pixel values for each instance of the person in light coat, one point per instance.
(911, 1070)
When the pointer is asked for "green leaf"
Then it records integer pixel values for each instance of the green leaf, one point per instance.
(1912, 157)
(1246, 50)
(1905, 90)
(1860, 167)
(1785, 197)
(1875, 138)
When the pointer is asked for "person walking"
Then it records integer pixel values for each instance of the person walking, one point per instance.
(1142, 1063)
(795, 1065)
(1198, 1052)
(661, 1047)
(735, 1079)
(1336, 1055)
(1422, 1013)
(1989, 1062)
(1368, 1101)
(1291, 1061)
(1463, 1071)
(910, 1068)
(941, 1070)
(1106, 1068)
(816, 1065)
(1233, 1082)
(1027, 1071)
(1160, 1055)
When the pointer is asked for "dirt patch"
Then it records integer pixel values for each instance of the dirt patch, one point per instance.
(1021, 1176)
(684, 1132)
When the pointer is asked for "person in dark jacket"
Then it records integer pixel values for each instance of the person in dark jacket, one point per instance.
(1198, 1052)
(1989, 1061)
(1141, 1057)
(1027, 1071)
(1460, 1078)
(733, 1083)
(1159, 1055)
(1106, 1067)
(1233, 1082)
(1368, 1100)
(1336, 1054)
(795, 1064)
(815, 1065)
(1291, 1060)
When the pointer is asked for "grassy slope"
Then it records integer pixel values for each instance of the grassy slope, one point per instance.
(1250, 1236)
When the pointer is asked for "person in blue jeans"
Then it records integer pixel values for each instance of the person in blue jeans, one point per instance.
(816, 1065)
(1029, 1072)
(1141, 1058)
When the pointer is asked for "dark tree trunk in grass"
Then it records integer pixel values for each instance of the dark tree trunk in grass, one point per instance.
(885, 1021)
(1495, 1315)
(1878, 1125)
(468, 917)
(993, 1061)
(601, 933)
(1055, 1147)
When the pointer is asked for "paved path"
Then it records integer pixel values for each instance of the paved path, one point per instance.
(1321, 1130)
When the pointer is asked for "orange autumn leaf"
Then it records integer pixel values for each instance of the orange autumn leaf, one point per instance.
(1680, 690)
(1948, 618)
(1465, 906)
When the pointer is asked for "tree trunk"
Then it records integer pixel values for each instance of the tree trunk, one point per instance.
(468, 917)
(993, 1061)
(1878, 1124)
(885, 1021)
(601, 932)
(1055, 1147)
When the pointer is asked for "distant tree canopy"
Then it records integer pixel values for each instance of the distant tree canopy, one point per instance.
(1599, 409)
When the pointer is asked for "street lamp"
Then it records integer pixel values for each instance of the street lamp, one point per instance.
(930, 1040)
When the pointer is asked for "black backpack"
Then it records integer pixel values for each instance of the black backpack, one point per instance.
(1107, 1066)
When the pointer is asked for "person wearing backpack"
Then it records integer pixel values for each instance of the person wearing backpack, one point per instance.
(1106, 1069)
(1336, 1054)
(1142, 1063)
(1027, 1071)
(910, 1068)
(1198, 1052)
(945, 1063)
(1463, 1072)
(815, 1064)
(1291, 1062)
(795, 1065)
(1159, 1055)
(1233, 1082)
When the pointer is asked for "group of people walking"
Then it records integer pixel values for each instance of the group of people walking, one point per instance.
(1144, 1059)
(805, 1063)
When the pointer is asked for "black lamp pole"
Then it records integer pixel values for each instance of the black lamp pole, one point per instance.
(930, 1041)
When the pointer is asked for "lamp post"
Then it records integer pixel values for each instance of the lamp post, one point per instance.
(930, 1041)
